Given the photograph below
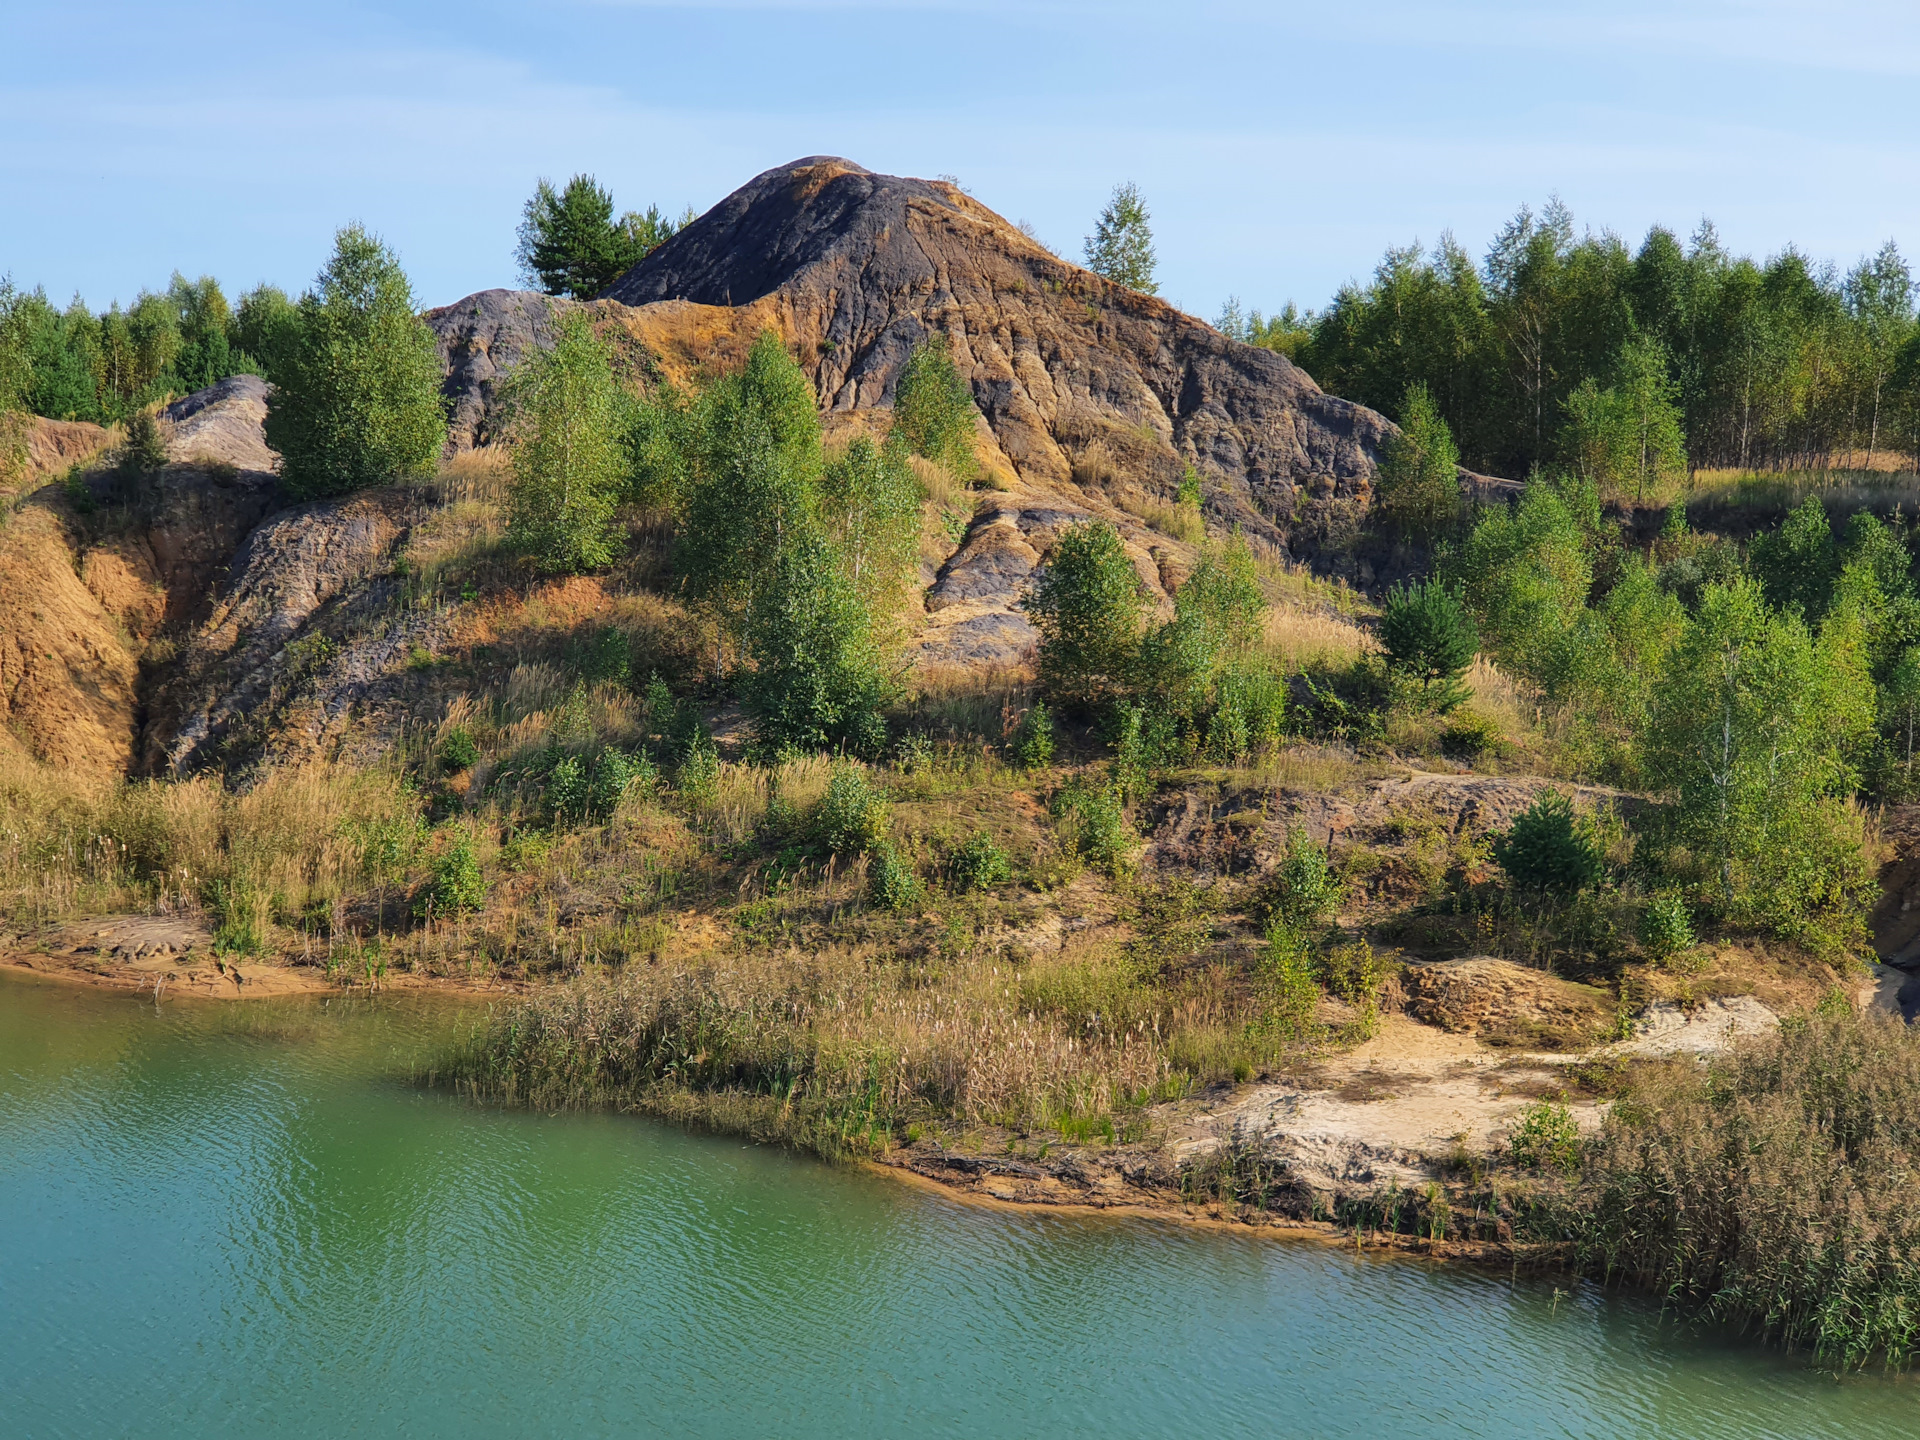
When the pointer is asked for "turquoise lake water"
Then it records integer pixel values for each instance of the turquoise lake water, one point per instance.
(244, 1220)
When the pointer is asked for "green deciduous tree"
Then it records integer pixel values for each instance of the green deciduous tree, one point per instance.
(1088, 608)
(568, 466)
(1754, 728)
(1627, 438)
(16, 383)
(359, 402)
(1525, 573)
(752, 465)
(1797, 563)
(870, 506)
(933, 408)
(1429, 637)
(203, 318)
(266, 327)
(1418, 482)
(817, 681)
(1121, 246)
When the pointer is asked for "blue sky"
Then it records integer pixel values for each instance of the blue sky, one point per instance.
(1281, 146)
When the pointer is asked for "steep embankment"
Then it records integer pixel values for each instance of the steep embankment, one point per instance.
(1094, 399)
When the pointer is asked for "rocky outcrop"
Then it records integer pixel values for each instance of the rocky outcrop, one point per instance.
(1081, 382)
(257, 646)
(1094, 398)
(225, 424)
(1079, 379)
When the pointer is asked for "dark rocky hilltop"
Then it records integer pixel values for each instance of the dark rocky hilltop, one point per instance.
(1082, 382)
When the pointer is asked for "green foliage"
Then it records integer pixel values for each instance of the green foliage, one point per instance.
(891, 881)
(1429, 637)
(1524, 574)
(359, 402)
(752, 466)
(1626, 438)
(1753, 731)
(459, 750)
(933, 408)
(978, 864)
(1217, 618)
(1666, 925)
(697, 773)
(854, 816)
(144, 449)
(1771, 1189)
(1305, 889)
(1602, 668)
(266, 328)
(1899, 705)
(16, 382)
(1094, 823)
(1189, 492)
(1289, 992)
(456, 886)
(1418, 485)
(569, 243)
(817, 680)
(1548, 849)
(1088, 609)
(567, 463)
(1287, 333)
(1545, 1137)
(1649, 357)
(1796, 564)
(1032, 742)
(1121, 246)
(203, 319)
(870, 508)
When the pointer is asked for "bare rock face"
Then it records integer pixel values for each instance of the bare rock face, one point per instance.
(1079, 379)
(224, 424)
(241, 659)
(481, 339)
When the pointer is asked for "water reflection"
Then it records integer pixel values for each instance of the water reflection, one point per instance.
(236, 1219)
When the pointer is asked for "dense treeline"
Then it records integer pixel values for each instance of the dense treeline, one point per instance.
(1786, 364)
(79, 364)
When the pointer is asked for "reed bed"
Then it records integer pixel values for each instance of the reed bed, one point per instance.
(1777, 1190)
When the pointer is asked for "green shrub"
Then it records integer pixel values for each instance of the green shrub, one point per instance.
(456, 886)
(891, 882)
(603, 657)
(1545, 1137)
(1290, 995)
(1429, 637)
(1088, 608)
(1546, 848)
(933, 408)
(1032, 742)
(569, 467)
(1666, 927)
(1470, 737)
(1305, 889)
(1095, 824)
(979, 864)
(145, 448)
(459, 750)
(565, 791)
(854, 816)
(1419, 483)
(698, 774)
